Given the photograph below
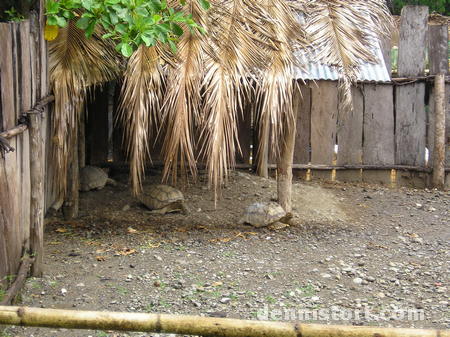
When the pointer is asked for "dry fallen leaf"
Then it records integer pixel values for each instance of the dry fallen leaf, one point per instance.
(131, 230)
(61, 230)
(126, 251)
(100, 258)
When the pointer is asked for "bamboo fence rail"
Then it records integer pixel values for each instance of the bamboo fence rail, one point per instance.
(194, 325)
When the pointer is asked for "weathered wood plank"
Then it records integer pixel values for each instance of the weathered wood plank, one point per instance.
(379, 141)
(438, 49)
(324, 107)
(303, 131)
(350, 131)
(413, 39)
(9, 173)
(410, 137)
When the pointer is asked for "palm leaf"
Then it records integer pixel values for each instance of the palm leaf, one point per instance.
(75, 63)
(141, 96)
(182, 102)
(346, 34)
(277, 83)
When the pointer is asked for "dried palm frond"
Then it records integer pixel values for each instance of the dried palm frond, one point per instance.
(182, 102)
(277, 84)
(346, 32)
(238, 42)
(140, 103)
(76, 63)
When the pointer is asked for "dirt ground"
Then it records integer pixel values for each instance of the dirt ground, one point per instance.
(361, 254)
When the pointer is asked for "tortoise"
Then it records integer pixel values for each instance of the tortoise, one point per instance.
(93, 178)
(261, 214)
(162, 199)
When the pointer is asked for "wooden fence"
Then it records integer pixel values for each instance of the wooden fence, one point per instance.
(23, 84)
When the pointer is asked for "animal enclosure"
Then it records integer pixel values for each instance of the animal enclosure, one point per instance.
(387, 138)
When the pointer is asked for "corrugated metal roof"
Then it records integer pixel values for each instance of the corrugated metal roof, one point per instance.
(376, 72)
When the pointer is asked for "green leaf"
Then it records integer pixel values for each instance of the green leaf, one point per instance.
(149, 41)
(51, 20)
(126, 50)
(52, 7)
(90, 28)
(88, 4)
(83, 23)
(173, 46)
(205, 4)
(156, 18)
(177, 29)
(121, 28)
(61, 21)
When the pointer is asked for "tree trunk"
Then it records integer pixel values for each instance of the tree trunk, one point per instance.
(439, 133)
(285, 160)
(70, 207)
(37, 194)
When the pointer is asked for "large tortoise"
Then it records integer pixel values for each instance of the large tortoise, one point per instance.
(261, 214)
(162, 199)
(93, 178)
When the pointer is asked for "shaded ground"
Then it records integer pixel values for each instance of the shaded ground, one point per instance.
(380, 251)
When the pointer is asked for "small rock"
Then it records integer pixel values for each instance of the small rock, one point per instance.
(63, 291)
(225, 300)
(126, 208)
(358, 280)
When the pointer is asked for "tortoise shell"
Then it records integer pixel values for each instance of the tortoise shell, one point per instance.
(262, 214)
(92, 178)
(160, 196)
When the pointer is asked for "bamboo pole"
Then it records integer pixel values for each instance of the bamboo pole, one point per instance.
(193, 325)
(438, 179)
(71, 202)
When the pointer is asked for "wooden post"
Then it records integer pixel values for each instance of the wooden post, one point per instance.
(439, 133)
(438, 47)
(70, 206)
(285, 160)
(37, 194)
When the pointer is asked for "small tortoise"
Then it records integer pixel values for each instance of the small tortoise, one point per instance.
(261, 214)
(162, 199)
(93, 178)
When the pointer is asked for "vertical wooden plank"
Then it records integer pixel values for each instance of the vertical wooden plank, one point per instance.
(8, 174)
(303, 131)
(378, 139)
(324, 106)
(410, 125)
(412, 42)
(438, 49)
(350, 131)
(245, 135)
